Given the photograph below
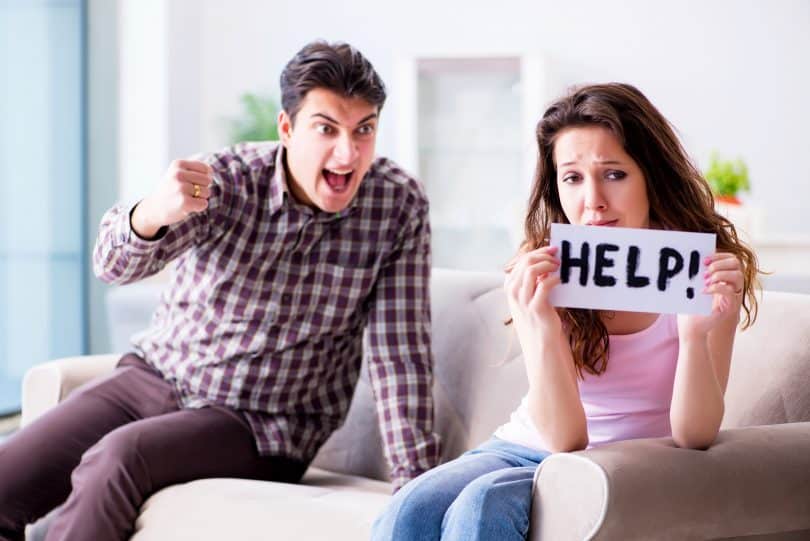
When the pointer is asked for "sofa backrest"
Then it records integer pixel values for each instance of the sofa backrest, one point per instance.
(769, 381)
(480, 377)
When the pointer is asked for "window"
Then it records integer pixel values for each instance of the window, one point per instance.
(42, 252)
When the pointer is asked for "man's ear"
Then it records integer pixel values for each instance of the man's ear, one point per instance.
(285, 127)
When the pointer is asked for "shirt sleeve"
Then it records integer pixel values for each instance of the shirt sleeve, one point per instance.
(120, 256)
(400, 361)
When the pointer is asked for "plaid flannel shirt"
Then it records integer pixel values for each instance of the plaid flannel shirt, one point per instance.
(268, 301)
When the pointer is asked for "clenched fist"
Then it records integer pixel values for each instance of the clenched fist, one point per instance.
(185, 189)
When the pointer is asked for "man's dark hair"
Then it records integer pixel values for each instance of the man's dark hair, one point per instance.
(338, 67)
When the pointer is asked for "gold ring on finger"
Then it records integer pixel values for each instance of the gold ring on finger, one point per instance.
(195, 192)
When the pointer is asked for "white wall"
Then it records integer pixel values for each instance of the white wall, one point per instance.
(731, 75)
(143, 60)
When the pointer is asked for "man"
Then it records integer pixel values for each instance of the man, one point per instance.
(284, 254)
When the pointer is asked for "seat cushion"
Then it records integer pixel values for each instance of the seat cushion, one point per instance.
(324, 506)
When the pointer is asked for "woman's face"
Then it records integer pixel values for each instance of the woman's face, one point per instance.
(598, 182)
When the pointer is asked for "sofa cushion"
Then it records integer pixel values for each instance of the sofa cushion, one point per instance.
(325, 506)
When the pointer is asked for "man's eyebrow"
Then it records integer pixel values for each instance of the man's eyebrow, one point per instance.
(367, 118)
(329, 118)
(333, 121)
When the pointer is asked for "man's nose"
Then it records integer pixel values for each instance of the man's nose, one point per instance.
(345, 150)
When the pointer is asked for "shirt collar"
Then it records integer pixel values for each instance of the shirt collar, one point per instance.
(282, 198)
(278, 184)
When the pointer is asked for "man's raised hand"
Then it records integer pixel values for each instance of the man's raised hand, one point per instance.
(184, 189)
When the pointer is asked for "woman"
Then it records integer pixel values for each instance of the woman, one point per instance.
(608, 158)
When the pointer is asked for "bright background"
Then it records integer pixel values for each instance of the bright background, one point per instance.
(98, 96)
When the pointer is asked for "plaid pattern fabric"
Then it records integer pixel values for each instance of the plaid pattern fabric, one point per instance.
(268, 301)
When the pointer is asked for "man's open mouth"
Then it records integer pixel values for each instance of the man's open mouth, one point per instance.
(338, 180)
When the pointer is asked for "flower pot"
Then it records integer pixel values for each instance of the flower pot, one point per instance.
(728, 199)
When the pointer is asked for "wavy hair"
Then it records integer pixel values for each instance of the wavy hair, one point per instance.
(338, 67)
(680, 198)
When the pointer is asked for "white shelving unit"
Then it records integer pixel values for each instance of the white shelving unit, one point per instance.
(466, 128)
(786, 257)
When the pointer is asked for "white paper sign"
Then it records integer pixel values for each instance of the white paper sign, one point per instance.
(637, 270)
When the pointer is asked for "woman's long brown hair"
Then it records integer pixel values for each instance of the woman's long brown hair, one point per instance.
(680, 198)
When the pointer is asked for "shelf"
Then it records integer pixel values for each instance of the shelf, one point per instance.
(466, 128)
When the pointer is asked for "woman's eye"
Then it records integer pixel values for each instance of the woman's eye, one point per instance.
(570, 178)
(616, 175)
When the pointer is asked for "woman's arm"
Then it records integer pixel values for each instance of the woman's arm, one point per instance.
(704, 357)
(554, 404)
(553, 399)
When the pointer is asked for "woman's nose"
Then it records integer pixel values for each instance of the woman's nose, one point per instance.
(594, 198)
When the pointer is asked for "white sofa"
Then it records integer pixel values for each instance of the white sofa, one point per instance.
(753, 484)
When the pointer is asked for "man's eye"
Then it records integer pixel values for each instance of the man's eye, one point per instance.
(323, 129)
(366, 129)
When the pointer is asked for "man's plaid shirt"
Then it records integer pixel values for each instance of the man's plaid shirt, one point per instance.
(268, 301)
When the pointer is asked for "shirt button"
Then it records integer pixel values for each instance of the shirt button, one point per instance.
(286, 298)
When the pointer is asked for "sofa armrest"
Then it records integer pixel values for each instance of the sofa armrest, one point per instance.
(47, 384)
(752, 481)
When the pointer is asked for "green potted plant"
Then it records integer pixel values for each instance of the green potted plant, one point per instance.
(258, 121)
(727, 178)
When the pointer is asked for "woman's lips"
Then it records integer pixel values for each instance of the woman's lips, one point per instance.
(606, 223)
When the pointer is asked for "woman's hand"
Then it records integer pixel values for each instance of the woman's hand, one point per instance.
(553, 399)
(724, 281)
(529, 281)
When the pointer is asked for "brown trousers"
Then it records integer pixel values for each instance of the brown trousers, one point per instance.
(113, 443)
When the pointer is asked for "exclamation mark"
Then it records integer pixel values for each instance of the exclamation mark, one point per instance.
(694, 267)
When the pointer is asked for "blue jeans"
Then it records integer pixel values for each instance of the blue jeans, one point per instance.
(484, 494)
